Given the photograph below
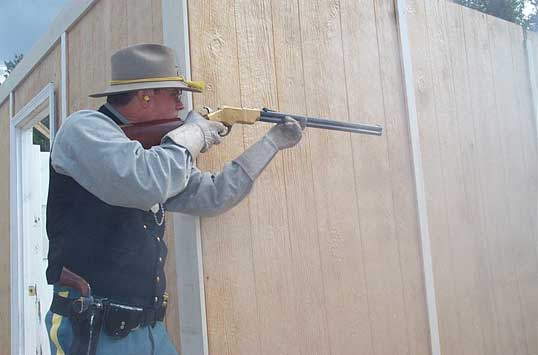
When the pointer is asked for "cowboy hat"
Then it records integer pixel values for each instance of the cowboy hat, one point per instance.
(146, 66)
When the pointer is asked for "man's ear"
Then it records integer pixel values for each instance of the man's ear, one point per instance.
(145, 96)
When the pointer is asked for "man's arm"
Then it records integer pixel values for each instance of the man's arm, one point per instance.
(95, 152)
(208, 195)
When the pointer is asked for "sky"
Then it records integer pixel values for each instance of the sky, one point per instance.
(22, 22)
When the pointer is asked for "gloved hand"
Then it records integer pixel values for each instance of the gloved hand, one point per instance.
(197, 134)
(210, 129)
(257, 156)
(287, 134)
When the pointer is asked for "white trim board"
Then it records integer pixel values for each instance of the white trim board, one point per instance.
(188, 251)
(63, 22)
(18, 124)
(63, 85)
(409, 88)
(532, 77)
(15, 251)
(534, 90)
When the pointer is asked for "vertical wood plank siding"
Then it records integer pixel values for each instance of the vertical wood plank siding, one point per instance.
(525, 149)
(232, 314)
(345, 251)
(109, 26)
(401, 179)
(323, 257)
(479, 156)
(46, 71)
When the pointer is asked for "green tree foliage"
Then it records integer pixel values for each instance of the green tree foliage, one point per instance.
(531, 21)
(11, 64)
(509, 10)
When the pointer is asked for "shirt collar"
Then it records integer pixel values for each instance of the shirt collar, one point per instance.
(119, 116)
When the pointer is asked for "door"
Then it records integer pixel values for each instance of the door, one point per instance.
(38, 294)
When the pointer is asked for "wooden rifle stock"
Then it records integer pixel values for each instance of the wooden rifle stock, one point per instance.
(150, 134)
(70, 279)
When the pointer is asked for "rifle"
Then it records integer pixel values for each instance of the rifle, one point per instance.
(151, 133)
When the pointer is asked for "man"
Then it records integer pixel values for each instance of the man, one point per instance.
(108, 196)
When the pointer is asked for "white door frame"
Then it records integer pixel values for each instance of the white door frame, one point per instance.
(189, 264)
(21, 122)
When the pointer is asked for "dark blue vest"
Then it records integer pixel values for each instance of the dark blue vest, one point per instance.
(119, 251)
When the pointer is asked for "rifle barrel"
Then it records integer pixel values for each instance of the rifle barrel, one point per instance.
(322, 123)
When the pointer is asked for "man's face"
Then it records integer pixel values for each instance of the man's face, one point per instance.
(166, 103)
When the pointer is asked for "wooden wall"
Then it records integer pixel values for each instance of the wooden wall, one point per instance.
(108, 27)
(323, 257)
(5, 329)
(479, 153)
(48, 70)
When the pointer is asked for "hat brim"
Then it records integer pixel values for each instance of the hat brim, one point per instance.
(118, 89)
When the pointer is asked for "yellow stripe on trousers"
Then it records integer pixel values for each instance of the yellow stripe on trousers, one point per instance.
(56, 322)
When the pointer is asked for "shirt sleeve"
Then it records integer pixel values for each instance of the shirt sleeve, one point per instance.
(94, 151)
(207, 194)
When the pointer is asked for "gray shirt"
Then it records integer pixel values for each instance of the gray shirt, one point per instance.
(93, 150)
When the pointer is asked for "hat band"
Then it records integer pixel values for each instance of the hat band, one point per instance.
(200, 85)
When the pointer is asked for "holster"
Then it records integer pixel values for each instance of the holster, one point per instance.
(86, 317)
(86, 328)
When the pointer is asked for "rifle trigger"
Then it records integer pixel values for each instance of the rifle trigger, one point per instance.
(228, 129)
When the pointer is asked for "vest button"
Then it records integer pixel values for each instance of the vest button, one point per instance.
(160, 260)
(157, 279)
(145, 226)
(156, 299)
(158, 239)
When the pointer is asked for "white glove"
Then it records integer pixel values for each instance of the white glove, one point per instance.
(257, 156)
(210, 129)
(286, 134)
(197, 134)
